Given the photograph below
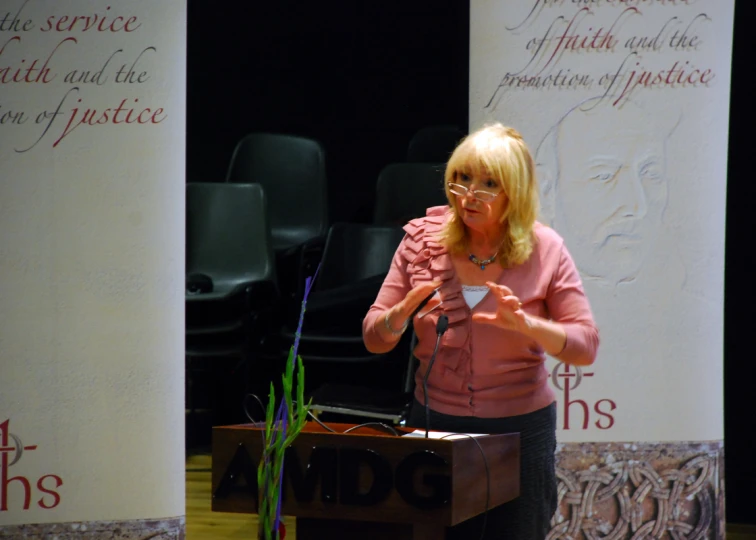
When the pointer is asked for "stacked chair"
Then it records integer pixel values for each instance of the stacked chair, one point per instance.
(347, 379)
(254, 239)
(434, 143)
(292, 171)
(231, 286)
(405, 190)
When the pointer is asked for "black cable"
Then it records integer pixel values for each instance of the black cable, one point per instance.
(425, 386)
(321, 424)
(441, 327)
(316, 419)
(353, 428)
(368, 424)
(488, 478)
(249, 416)
(246, 411)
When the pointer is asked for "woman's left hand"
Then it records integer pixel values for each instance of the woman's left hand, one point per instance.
(509, 314)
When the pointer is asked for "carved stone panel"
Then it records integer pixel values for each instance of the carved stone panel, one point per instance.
(669, 490)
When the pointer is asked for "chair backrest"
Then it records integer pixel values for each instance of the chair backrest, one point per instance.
(434, 143)
(292, 170)
(357, 251)
(227, 233)
(404, 191)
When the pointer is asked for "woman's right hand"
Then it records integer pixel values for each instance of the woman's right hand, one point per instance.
(398, 315)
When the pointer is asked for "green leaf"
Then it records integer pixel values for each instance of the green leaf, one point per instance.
(301, 407)
(269, 413)
(288, 380)
(270, 468)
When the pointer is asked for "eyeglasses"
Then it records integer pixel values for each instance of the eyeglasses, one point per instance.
(483, 196)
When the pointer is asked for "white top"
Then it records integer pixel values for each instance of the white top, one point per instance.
(474, 294)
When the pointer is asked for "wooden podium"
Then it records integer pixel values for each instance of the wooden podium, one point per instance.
(368, 483)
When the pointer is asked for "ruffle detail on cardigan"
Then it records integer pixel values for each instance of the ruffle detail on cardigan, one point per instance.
(429, 260)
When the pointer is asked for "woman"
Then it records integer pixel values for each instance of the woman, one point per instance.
(512, 295)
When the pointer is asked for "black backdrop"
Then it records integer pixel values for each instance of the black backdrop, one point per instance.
(363, 76)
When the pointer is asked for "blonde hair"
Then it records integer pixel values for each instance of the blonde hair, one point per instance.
(499, 152)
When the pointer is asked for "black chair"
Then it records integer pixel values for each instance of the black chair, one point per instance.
(434, 143)
(231, 288)
(355, 262)
(356, 259)
(357, 402)
(292, 171)
(405, 190)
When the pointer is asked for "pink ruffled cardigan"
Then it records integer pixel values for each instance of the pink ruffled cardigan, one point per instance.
(481, 370)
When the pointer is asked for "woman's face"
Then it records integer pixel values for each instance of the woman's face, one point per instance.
(479, 210)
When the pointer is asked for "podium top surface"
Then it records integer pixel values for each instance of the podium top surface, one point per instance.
(368, 429)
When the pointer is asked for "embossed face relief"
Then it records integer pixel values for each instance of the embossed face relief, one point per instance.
(611, 191)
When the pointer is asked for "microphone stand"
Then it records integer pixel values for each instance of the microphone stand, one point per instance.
(441, 326)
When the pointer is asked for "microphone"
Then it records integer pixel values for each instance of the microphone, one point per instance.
(423, 303)
(441, 326)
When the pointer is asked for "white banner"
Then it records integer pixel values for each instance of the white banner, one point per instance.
(624, 104)
(92, 136)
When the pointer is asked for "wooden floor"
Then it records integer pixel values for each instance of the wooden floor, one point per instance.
(202, 524)
(741, 532)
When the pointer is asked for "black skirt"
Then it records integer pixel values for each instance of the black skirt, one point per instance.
(528, 516)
